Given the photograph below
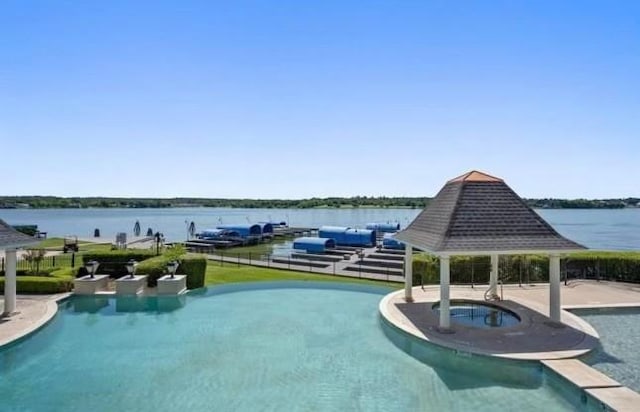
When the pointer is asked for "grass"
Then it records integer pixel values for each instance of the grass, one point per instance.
(217, 275)
(56, 243)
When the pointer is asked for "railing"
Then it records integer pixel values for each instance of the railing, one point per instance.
(337, 267)
(47, 262)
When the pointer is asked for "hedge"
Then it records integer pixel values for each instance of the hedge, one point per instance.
(113, 263)
(192, 266)
(58, 282)
(618, 266)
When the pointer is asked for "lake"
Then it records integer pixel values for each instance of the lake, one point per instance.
(595, 228)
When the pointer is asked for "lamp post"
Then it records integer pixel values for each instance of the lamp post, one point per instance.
(172, 267)
(159, 237)
(131, 267)
(92, 267)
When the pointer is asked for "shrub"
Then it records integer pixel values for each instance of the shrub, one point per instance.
(41, 284)
(618, 266)
(194, 267)
(153, 268)
(113, 262)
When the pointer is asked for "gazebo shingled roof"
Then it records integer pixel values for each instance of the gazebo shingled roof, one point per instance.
(11, 238)
(476, 212)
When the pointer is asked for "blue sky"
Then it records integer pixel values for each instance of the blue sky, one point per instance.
(293, 99)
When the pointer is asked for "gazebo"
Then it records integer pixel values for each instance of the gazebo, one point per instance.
(10, 241)
(479, 214)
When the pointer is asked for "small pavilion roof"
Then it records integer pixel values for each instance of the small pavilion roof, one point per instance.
(11, 238)
(476, 213)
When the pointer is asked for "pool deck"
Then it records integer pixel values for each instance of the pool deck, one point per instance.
(32, 313)
(536, 338)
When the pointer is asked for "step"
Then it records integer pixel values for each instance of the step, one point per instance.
(373, 269)
(386, 256)
(312, 256)
(381, 263)
(300, 262)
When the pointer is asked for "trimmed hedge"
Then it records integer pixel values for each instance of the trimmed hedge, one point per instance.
(192, 266)
(195, 268)
(113, 263)
(60, 281)
(618, 266)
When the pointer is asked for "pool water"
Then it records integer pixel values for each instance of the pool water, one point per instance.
(619, 331)
(284, 346)
(480, 315)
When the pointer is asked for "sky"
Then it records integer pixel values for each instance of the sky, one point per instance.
(297, 99)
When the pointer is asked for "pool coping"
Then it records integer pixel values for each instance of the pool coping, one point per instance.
(602, 388)
(32, 326)
(387, 304)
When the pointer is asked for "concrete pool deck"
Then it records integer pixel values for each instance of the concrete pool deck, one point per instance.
(32, 313)
(537, 338)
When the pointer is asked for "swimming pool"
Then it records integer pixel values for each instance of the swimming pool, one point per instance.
(280, 346)
(619, 331)
(480, 315)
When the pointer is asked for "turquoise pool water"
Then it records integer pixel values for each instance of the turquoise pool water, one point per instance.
(276, 347)
(618, 354)
(479, 315)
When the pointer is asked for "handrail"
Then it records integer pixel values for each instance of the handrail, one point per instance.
(488, 296)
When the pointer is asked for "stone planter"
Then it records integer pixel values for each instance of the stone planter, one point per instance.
(127, 285)
(88, 285)
(172, 286)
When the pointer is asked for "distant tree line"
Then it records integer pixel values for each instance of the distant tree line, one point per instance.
(44, 202)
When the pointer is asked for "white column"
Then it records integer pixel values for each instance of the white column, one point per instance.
(444, 292)
(10, 262)
(554, 287)
(493, 276)
(408, 273)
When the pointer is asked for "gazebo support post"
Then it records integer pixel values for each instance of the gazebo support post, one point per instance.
(554, 287)
(444, 294)
(10, 282)
(408, 273)
(493, 276)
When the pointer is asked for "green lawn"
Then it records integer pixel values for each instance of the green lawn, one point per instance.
(56, 243)
(217, 274)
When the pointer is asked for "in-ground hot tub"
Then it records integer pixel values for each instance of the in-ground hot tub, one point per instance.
(480, 314)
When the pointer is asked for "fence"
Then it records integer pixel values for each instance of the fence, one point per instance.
(47, 262)
(329, 266)
(528, 269)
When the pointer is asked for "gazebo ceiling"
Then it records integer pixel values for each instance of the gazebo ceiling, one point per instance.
(11, 238)
(478, 213)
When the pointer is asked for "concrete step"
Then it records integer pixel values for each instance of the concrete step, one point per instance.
(381, 263)
(386, 256)
(375, 269)
(301, 262)
(312, 256)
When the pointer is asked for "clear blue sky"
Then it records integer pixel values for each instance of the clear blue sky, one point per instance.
(289, 99)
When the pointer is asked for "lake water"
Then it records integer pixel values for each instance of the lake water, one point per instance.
(595, 228)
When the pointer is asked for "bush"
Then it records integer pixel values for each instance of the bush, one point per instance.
(618, 266)
(60, 281)
(153, 268)
(192, 266)
(113, 263)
